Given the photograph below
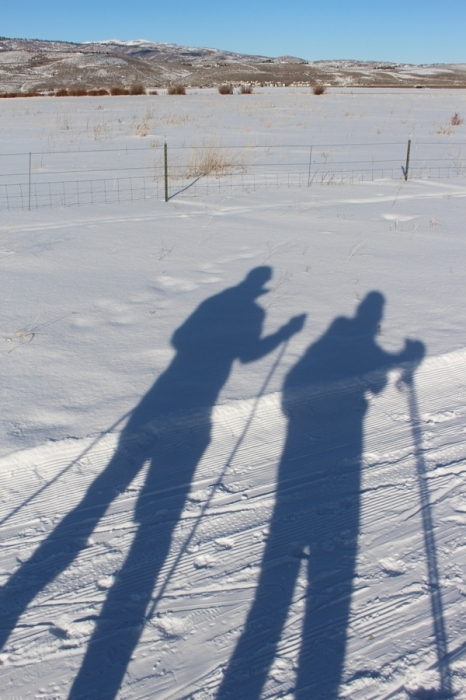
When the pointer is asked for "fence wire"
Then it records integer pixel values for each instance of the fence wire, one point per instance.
(75, 178)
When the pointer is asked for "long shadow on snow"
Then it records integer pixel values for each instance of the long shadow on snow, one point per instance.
(316, 515)
(222, 329)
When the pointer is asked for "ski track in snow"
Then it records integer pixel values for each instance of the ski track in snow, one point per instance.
(197, 621)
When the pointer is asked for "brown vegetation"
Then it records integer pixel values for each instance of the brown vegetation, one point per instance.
(456, 119)
(97, 93)
(176, 90)
(226, 89)
(137, 89)
(77, 92)
(116, 90)
(319, 89)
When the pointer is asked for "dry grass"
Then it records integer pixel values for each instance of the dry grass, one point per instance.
(212, 159)
(176, 90)
(456, 119)
(100, 131)
(226, 89)
(445, 130)
(23, 335)
(245, 90)
(175, 119)
(319, 89)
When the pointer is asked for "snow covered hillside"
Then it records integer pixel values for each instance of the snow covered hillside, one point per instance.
(233, 426)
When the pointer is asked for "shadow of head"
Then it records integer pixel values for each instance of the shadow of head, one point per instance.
(370, 312)
(253, 284)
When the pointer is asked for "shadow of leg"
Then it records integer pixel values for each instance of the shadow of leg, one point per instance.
(70, 536)
(123, 616)
(257, 646)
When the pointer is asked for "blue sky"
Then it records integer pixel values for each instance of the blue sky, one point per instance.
(415, 31)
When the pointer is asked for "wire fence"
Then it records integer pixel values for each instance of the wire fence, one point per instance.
(74, 178)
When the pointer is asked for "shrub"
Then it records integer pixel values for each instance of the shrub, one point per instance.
(176, 90)
(456, 119)
(245, 90)
(226, 89)
(318, 89)
(62, 92)
(97, 93)
(153, 92)
(118, 91)
(137, 89)
(77, 92)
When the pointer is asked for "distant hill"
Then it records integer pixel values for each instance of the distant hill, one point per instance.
(27, 64)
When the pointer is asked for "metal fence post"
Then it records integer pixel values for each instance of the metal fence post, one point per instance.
(29, 180)
(165, 162)
(309, 171)
(407, 159)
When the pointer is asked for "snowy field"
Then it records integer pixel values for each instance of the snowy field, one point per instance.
(206, 494)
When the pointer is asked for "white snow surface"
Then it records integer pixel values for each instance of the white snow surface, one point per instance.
(139, 521)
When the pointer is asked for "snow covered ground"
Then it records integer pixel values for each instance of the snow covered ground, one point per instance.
(205, 495)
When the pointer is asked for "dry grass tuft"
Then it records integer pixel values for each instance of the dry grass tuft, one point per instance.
(245, 90)
(319, 89)
(212, 159)
(176, 90)
(445, 130)
(225, 89)
(456, 119)
(142, 129)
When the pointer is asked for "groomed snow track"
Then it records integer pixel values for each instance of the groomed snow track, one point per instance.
(208, 581)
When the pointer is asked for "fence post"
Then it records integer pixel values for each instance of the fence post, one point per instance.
(309, 172)
(29, 181)
(165, 162)
(407, 158)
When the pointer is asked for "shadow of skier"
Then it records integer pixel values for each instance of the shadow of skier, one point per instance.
(316, 515)
(170, 428)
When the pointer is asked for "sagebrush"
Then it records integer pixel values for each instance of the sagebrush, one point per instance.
(176, 90)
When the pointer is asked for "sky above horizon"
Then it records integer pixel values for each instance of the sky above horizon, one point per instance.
(405, 31)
